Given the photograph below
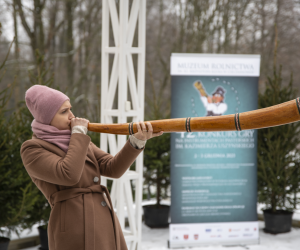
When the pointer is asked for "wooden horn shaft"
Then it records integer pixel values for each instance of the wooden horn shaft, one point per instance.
(284, 113)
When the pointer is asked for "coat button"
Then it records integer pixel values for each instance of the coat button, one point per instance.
(103, 203)
(96, 179)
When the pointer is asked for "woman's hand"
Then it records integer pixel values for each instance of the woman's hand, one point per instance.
(79, 121)
(144, 133)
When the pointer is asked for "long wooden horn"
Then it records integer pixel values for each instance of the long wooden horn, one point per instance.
(276, 115)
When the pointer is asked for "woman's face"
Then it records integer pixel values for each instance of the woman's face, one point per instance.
(62, 119)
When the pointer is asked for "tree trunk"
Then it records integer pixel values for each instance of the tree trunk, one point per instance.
(17, 54)
(69, 11)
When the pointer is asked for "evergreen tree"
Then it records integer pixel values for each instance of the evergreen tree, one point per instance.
(157, 162)
(278, 156)
(17, 192)
(157, 150)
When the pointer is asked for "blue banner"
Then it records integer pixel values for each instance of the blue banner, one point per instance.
(213, 174)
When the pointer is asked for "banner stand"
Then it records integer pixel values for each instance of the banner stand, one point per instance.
(213, 174)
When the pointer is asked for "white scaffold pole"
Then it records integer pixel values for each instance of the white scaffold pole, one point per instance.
(116, 85)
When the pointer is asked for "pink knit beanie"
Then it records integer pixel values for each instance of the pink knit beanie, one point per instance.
(44, 102)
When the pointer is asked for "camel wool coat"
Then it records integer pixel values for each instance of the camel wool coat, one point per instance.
(82, 216)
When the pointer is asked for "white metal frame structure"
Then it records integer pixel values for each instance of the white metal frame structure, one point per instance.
(115, 85)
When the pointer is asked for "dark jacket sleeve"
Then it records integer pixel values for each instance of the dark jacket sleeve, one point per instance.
(116, 166)
(47, 166)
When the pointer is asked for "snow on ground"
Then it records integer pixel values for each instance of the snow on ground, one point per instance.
(156, 239)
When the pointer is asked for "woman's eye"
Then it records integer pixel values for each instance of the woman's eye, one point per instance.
(66, 110)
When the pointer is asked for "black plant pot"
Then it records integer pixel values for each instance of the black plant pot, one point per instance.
(43, 238)
(156, 217)
(4, 242)
(278, 222)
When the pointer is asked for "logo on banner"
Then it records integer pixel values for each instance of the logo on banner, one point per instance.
(186, 236)
(196, 236)
(215, 236)
(213, 104)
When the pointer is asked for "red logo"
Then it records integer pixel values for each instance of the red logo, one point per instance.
(229, 230)
(186, 236)
(255, 229)
(196, 236)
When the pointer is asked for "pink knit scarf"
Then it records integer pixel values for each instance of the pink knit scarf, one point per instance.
(60, 138)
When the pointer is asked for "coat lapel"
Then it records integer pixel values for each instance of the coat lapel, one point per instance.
(57, 150)
(91, 157)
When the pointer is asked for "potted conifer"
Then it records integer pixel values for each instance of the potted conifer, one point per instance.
(278, 159)
(157, 161)
(17, 192)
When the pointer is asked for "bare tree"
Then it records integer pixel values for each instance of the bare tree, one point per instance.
(68, 33)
